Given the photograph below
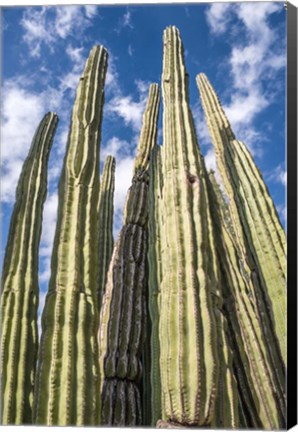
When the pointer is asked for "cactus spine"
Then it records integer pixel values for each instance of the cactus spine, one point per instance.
(260, 392)
(254, 216)
(19, 296)
(122, 313)
(189, 283)
(105, 216)
(67, 390)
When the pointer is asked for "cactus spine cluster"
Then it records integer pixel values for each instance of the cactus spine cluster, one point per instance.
(67, 387)
(20, 293)
(105, 222)
(122, 314)
(181, 322)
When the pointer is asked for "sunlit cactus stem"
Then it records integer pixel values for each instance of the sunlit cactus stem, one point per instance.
(19, 287)
(67, 385)
(105, 222)
(261, 393)
(121, 331)
(255, 220)
(187, 321)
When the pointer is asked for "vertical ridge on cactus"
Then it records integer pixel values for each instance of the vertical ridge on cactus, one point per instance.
(67, 385)
(253, 212)
(121, 323)
(105, 223)
(262, 399)
(20, 293)
(188, 285)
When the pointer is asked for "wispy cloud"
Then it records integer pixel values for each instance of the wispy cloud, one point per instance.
(254, 58)
(124, 22)
(47, 25)
(277, 175)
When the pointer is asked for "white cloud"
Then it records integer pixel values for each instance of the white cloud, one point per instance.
(129, 110)
(47, 25)
(124, 21)
(255, 57)
(21, 113)
(277, 175)
(218, 17)
(130, 50)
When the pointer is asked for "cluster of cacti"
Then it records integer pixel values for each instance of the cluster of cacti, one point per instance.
(181, 322)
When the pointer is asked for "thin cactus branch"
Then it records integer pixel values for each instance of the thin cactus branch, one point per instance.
(105, 222)
(20, 293)
(67, 390)
(122, 313)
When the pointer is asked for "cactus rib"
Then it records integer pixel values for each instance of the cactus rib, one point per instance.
(19, 296)
(68, 372)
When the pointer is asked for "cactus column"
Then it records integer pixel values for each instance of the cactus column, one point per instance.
(105, 221)
(261, 394)
(187, 326)
(19, 296)
(254, 216)
(122, 313)
(67, 390)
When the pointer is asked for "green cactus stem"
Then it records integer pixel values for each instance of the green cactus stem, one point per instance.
(155, 277)
(187, 324)
(122, 314)
(20, 293)
(254, 216)
(67, 385)
(105, 222)
(261, 394)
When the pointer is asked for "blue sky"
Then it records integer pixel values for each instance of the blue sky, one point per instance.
(240, 46)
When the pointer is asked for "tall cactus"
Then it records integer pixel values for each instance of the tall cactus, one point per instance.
(155, 277)
(105, 222)
(19, 296)
(122, 313)
(187, 325)
(67, 385)
(261, 393)
(254, 216)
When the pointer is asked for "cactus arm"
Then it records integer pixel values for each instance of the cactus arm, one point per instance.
(19, 297)
(68, 382)
(186, 313)
(122, 313)
(254, 217)
(105, 222)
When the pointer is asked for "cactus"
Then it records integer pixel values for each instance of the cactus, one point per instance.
(155, 278)
(19, 296)
(67, 385)
(105, 215)
(260, 391)
(122, 313)
(187, 323)
(253, 213)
